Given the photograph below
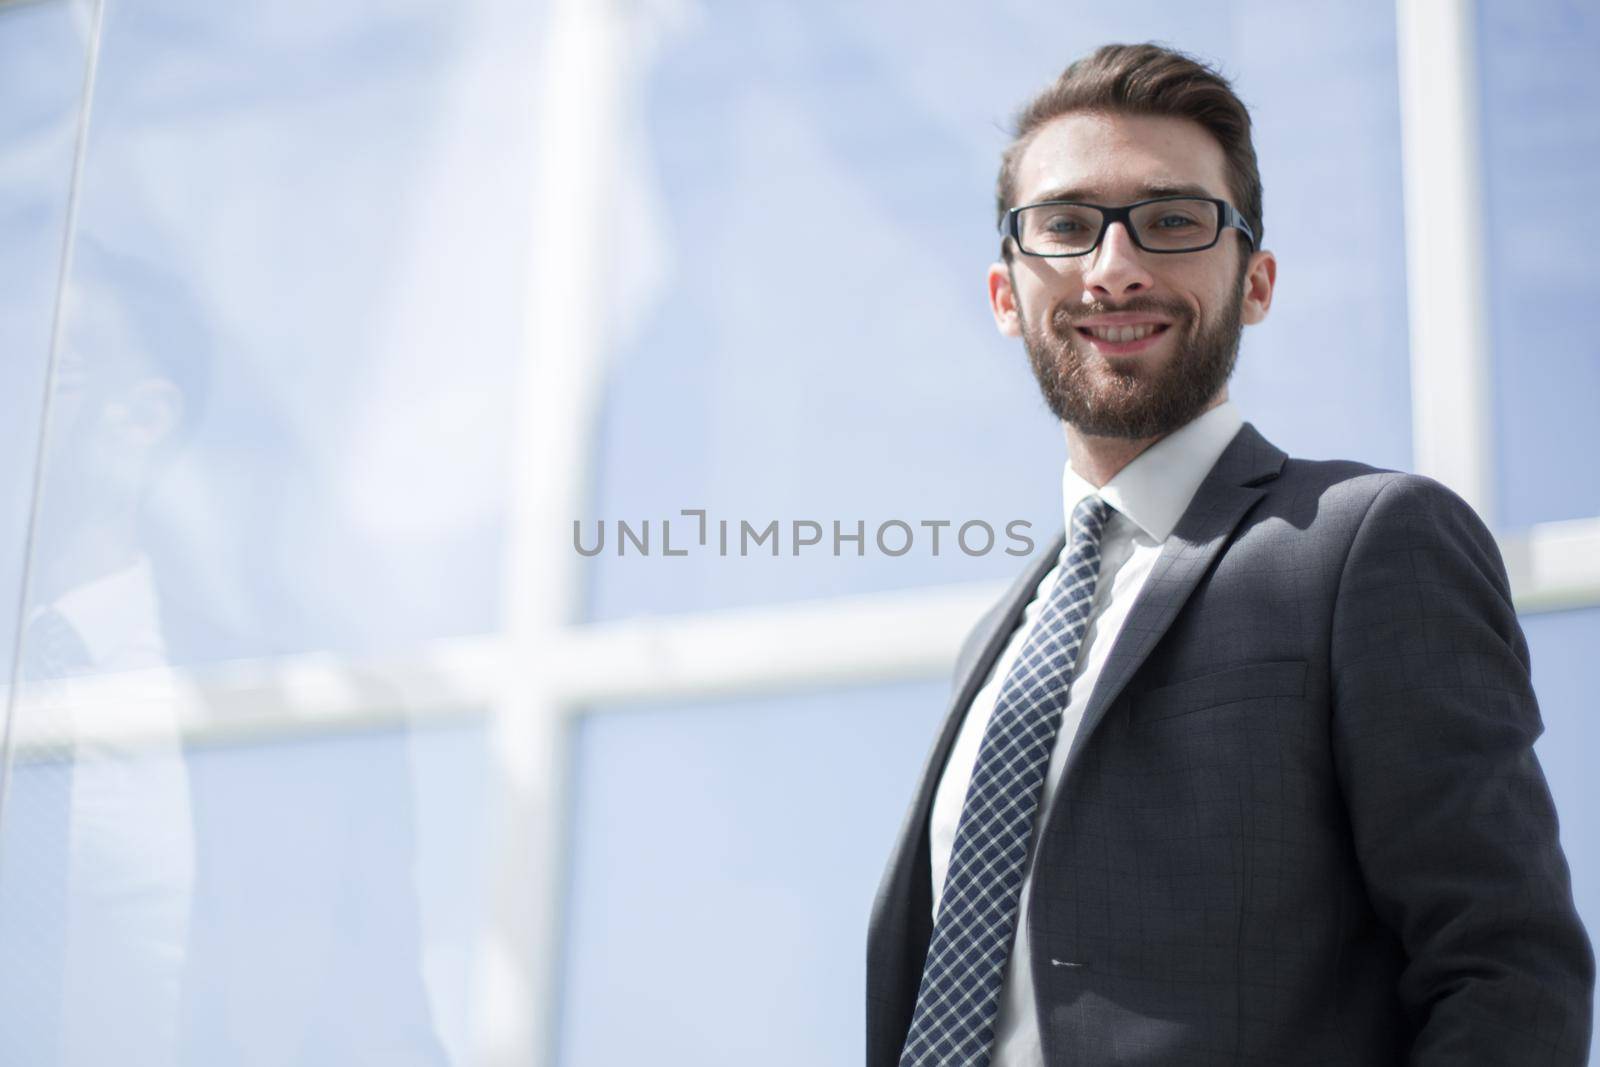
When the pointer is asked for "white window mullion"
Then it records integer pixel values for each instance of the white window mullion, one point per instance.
(1452, 436)
(519, 951)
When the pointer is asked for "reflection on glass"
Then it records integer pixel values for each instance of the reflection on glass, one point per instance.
(126, 875)
(43, 49)
(291, 291)
(42, 56)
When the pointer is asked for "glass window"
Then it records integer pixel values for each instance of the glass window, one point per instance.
(1561, 645)
(43, 55)
(304, 234)
(724, 859)
(798, 265)
(1541, 150)
(320, 907)
(279, 425)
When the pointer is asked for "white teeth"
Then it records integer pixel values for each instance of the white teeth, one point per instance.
(1121, 334)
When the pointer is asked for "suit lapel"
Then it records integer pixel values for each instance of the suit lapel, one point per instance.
(1221, 501)
(997, 629)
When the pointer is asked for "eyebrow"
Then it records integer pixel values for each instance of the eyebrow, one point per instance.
(1142, 192)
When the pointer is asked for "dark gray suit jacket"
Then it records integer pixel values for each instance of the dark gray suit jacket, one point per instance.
(1302, 822)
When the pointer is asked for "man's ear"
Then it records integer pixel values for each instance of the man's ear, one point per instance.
(1003, 300)
(1259, 277)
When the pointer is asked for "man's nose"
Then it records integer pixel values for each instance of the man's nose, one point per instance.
(1116, 268)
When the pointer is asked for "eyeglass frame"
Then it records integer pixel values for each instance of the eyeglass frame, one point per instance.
(1230, 217)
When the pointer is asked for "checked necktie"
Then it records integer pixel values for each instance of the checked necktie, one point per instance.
(954, 1021)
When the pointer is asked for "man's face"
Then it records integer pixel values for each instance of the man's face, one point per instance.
(1192, 305)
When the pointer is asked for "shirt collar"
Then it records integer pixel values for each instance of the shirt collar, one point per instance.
(1154, 489)
(117, 617)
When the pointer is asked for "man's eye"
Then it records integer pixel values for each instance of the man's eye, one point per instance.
(1063, 224)
(1174, 222)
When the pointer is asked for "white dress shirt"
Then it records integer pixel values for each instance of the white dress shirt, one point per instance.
(1150, 494)
(130, 873)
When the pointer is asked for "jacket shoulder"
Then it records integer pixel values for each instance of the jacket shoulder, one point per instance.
(1349, 485)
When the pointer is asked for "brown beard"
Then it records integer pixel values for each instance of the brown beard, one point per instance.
(1095, 397)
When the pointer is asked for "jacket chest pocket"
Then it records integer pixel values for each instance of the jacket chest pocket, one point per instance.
(1232, 685)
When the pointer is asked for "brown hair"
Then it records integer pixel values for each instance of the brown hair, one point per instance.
(1145, 79)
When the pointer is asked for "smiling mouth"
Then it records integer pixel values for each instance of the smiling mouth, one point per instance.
(1120, 335)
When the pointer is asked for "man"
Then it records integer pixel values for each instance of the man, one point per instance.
(97, 861)
(1253, 782)
(161, 907)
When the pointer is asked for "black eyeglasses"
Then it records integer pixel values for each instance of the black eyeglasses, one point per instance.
(1166, 224)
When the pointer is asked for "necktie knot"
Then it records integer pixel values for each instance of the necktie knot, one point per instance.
(1089, 519)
